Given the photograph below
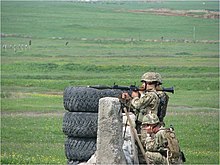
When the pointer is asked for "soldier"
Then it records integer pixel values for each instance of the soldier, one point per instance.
(161, 144)
(146, 101)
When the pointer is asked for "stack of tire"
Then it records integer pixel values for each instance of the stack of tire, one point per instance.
(80, 122)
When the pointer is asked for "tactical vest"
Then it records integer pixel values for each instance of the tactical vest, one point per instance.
(162, 108)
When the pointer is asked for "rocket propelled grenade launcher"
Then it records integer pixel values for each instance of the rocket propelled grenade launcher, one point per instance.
(130, 88)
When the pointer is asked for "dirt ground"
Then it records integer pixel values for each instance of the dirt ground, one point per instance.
(187, 13)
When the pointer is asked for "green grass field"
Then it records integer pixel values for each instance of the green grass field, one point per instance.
(107, 44)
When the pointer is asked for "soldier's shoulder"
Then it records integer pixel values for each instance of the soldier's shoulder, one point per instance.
(152, 93)
(161, 93)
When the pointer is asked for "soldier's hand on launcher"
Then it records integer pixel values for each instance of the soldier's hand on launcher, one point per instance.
(135, 94)
(125, 96)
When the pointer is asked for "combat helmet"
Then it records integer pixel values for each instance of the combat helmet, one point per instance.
(151, 77)
(150, 119)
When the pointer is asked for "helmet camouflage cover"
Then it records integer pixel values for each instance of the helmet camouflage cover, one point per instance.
(151, 77)
(150, 119)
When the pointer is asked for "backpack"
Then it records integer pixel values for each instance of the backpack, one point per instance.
(173, 144)
(162, 108)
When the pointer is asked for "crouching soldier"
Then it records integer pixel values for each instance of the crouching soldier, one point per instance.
(161, 144)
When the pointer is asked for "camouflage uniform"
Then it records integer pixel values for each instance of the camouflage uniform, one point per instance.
(147, 103)
(156, 144)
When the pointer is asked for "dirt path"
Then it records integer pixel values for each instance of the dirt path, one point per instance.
(179, 110)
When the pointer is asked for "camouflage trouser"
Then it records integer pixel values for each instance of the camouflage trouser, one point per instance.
(156, 158)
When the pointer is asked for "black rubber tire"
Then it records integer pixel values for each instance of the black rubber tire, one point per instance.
(80, 124)
(80, 149)
(83, 99)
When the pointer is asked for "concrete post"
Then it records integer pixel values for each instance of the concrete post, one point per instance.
(109, 135)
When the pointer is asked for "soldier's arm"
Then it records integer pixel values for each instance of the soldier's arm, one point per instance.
(161, 142)
(141, 102)
(149, 144)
